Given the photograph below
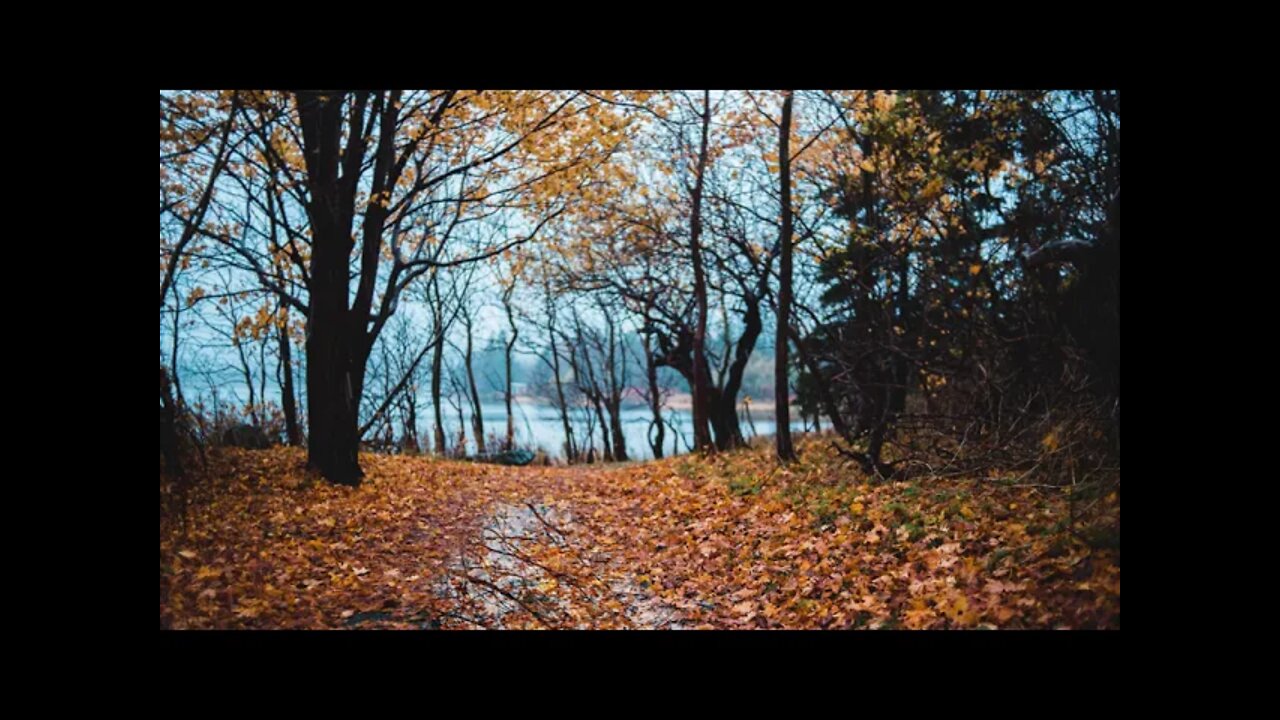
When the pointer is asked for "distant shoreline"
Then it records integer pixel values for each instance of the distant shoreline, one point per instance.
(684, 401)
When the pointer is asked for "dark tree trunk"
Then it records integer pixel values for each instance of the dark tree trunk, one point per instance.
(901, 368)
(875, 445)
(786, 453)
(262, 375)
(616, 388)
(724, 421)
(701, 385)
(169, 427)
(248, 380)
(173, 356)
(655, 399)
(725, 399)
(460, 450)
(721, 405)
(587, 385)
(614, 406)
(335, 379)
(437, 367)
(293, 435)
(410, 441)
(511, 344)
(570, 450)
(292, 432)
(339, 339)
(336, 351)
(477, 418)
(511, 418)
(604, 428)
(880, 393)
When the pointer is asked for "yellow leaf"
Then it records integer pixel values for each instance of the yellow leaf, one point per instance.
(919, 615)
(1050, 441)
(960, 611)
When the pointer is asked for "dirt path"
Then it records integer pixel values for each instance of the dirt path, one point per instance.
(525, 559)
(502, 572)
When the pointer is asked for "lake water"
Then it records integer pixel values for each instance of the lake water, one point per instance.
(539, 426)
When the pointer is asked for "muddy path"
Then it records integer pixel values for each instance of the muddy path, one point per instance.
(533, 560)
(533, 563)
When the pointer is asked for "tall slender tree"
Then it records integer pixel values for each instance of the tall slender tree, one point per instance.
(782, 401)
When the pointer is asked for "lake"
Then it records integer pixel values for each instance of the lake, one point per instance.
(540, 427)
(538, 423)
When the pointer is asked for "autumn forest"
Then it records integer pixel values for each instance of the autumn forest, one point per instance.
(578, 359)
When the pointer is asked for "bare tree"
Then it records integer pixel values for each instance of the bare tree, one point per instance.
(782, 390)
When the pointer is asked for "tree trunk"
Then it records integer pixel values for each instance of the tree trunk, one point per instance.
(724, 421)
(614, 406)
(616, 388)
(570, 451)
(460, 449)
(292, 433)
(335, 379)
(262, 376)
(248, 379)
(655, 400)
(410, 441)
(335, 348)
(168, 427)
(477, 418)
(589, 387)
(511, 320)
(721, 411)
(725, 399)
(782, 408)
(701, 380)
(604, 428)
(173, 356)
(437, 367)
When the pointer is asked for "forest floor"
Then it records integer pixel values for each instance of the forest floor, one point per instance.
(731, 541)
